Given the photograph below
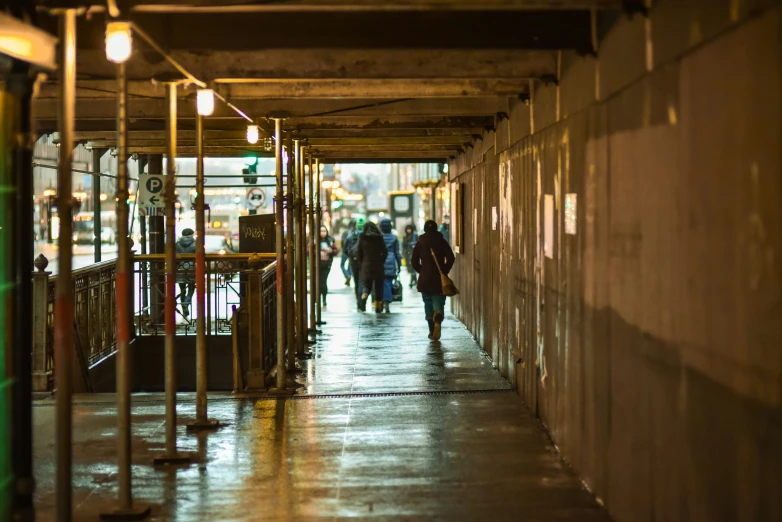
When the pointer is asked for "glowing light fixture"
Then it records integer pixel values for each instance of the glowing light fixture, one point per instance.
(252, 134)
(118, 41)
(205, 102)
(103, 197)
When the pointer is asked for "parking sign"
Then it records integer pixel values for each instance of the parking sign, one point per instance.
(150, 193)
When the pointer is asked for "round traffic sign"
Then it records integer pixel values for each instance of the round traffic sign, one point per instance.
(256, 197)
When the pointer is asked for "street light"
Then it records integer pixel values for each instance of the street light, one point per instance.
(205, 102)
(118, 41)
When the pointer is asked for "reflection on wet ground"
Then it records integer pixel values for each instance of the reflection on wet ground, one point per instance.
(383, 450)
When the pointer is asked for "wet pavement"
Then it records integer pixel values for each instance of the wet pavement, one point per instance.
(386, 425)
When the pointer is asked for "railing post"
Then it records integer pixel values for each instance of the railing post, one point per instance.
(40, 324)
(256, 375)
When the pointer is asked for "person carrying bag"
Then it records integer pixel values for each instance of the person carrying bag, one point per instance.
(433, 259)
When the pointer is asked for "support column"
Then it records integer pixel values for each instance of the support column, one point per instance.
(433, 204)
(318, 224)
(201, 421)
(301, 280)
(157, 245)
(279, 218)
(96, 203)
(125, 509)
(171, 456)
(313, 247)
(63, 303)
(289, 256)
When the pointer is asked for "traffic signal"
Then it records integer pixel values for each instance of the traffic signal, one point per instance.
(250, 168)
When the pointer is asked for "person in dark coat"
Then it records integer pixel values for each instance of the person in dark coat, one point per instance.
(432, 245)
(372, 254)
(328, 249)
(408, 244)
(393, 264)
(186, 270)
(350, 247)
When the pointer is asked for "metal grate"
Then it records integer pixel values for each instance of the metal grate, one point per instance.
(186, 400)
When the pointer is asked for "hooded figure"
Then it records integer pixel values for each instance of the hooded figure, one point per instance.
(372, 254)
(393, 262)
(408, 244)
(350, 248)
(186, 270)
(431, 245)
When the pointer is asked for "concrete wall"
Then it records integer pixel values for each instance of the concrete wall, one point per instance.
(649, 341)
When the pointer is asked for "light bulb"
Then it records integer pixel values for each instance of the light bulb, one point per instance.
(252, 134)
(118, 41)
(205, 102)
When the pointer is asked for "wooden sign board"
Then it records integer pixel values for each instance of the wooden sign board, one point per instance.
(257, 234)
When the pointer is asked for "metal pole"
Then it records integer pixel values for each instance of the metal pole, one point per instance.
(171, 455)
(122, 310)
(96, 156)
(313, 248)
(301, 310)
(318, 223)
(279, 214)
(202, 421)
(63, 305)
(289, 256)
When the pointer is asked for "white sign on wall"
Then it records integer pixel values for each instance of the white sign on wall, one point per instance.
(150, 190)
(548, 226)
(571, 213)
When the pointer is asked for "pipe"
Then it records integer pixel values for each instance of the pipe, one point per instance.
(171, 455)
(301, 310)
(96, 156)
(121, 307)
(279, 212)
(319, 223)
(313, 276)
(200, 274)
(63, 307)
(289, 261)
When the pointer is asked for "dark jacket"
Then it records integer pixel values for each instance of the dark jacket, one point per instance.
(350, 245)
(394, 259)
(423, 262)
(185, 269)
(372, 252)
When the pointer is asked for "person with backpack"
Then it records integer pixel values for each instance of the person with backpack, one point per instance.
(431, 255)
(185, 276)
(350, 247)
(372, 254)
(345, 261)
(393, 262)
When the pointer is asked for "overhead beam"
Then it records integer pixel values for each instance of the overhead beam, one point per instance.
(232, 6)
(396, 29)
(154, 108)
(239, 88)
(312, 64)
(239, 141)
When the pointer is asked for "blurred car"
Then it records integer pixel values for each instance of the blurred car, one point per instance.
(107, 235)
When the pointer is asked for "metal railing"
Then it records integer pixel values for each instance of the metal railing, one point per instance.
(226, 282)
(94, 294)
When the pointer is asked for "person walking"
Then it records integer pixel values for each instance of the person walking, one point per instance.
(344, 264)
(328, 249)
(432, 246)
(350, 247)
(372, 254)
(393, 262)
(185, 274)
(408, 244)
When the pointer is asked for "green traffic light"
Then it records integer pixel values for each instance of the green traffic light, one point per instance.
(251, 161)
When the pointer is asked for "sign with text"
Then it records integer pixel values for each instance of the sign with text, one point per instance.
(257, 234)
(151, 188)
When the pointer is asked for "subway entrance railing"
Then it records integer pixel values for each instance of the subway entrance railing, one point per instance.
(240, 294)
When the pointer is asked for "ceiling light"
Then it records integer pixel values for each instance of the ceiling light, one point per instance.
(252, 134)
(205, 102)
(118, 41)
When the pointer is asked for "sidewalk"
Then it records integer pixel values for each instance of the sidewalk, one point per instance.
(387, 426)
